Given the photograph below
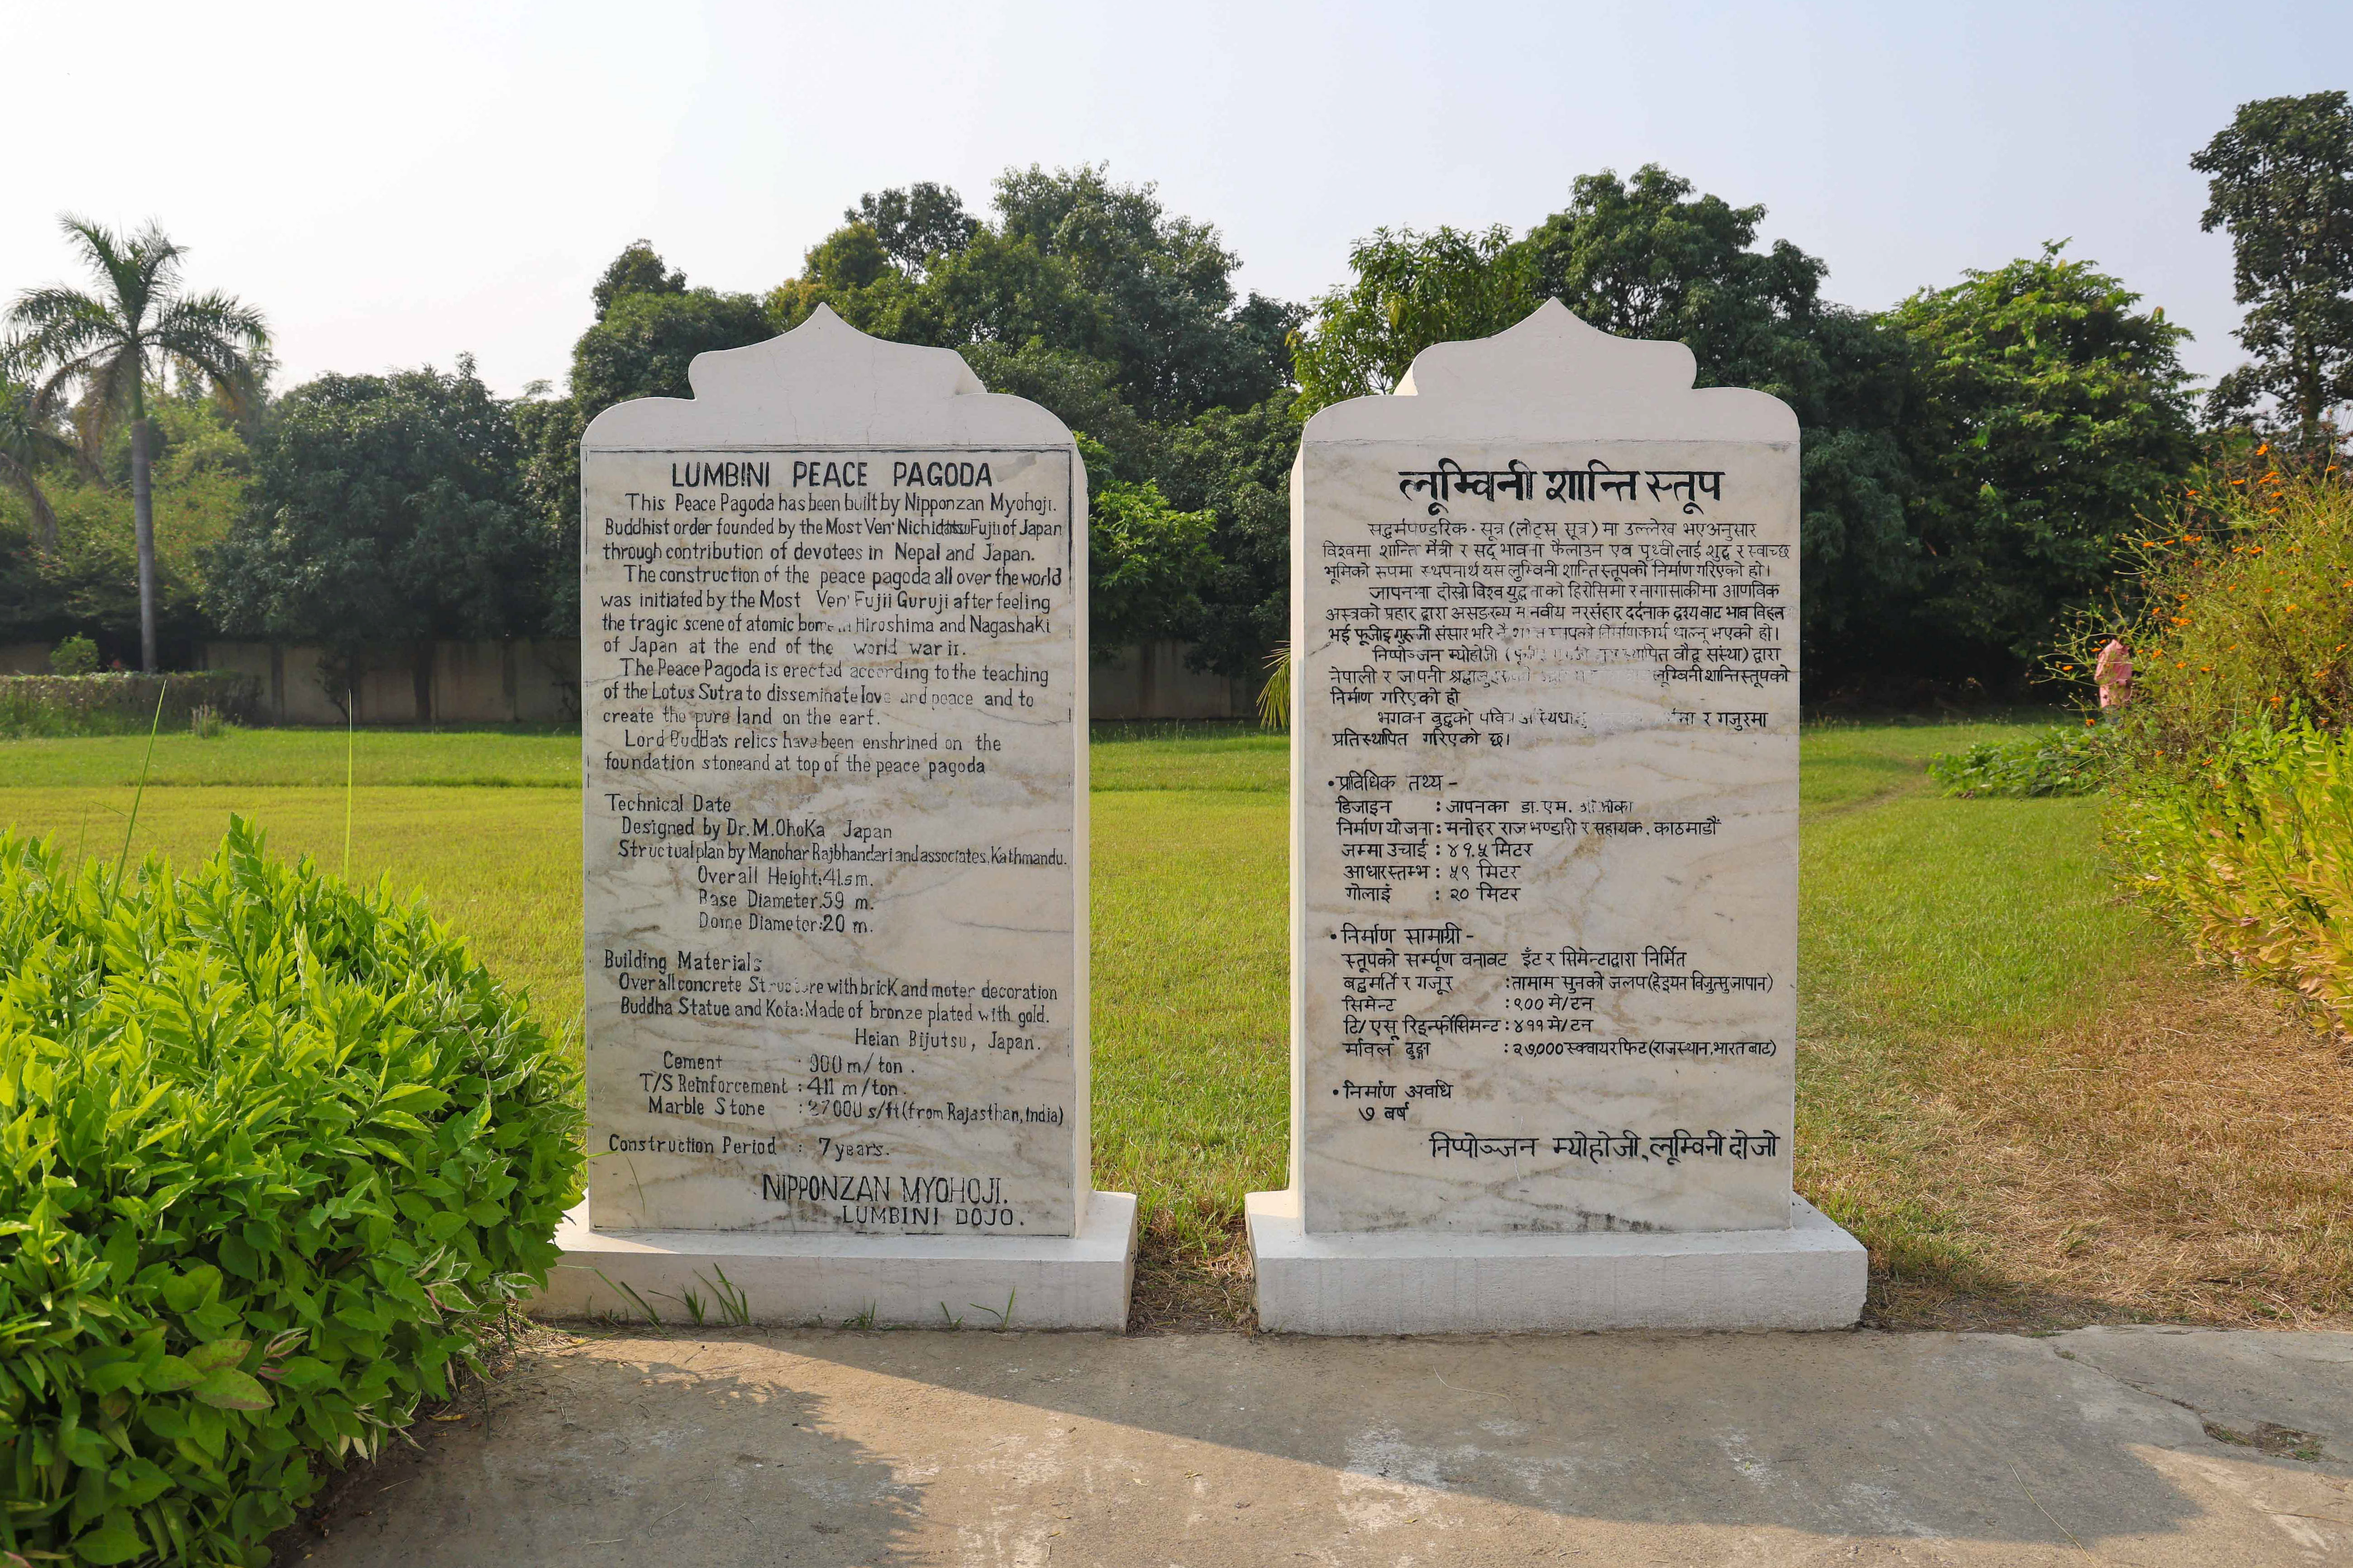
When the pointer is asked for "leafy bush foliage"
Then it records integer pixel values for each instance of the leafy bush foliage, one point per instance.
(2054, 414)
(2232, 804)
(2245, 600)
(1145, 560)
(119, 704)
(273, 1156)
(77, 654)
(2252, 849)
(2061, 761)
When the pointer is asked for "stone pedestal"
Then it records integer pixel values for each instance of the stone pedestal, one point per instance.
(748, 1277)
(1545, 855)
(834, 741)
(1810, 1276)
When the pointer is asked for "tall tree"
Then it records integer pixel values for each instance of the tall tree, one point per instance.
(1647, 258)
(649, 326)
(1652, 256)
(2053, 412)
(384, 511)
(637, 270)
(1075, 263)
(915, 223)
(29, 442)
(2280, 178)
(108, 343)
(1410, 290)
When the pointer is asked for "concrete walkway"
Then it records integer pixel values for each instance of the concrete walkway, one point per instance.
(2148, 1447)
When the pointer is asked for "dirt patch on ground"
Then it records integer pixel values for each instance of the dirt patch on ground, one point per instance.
(2185, 1157)
(1184, 1288)
(367, 1488)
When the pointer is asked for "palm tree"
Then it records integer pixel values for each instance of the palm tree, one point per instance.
(107, 344)
(29, 442)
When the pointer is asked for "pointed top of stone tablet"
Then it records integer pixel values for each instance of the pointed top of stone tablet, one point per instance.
(1551, 351)
(824, 383)
(1553, 377)
(826, 348)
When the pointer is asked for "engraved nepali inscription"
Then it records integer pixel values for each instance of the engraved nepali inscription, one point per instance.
(833, 843)
(1546, 829)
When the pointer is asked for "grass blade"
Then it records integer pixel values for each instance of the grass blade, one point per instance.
(140, 793)
(351, 748)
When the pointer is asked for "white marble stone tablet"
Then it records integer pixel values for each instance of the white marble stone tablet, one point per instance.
(1546, 796)
(834, 703)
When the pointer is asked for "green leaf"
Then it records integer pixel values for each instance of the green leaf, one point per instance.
(168, 1375)
(85, 1447)
(113, 1541)
(226, 1388)
(301, 1372)
(187, 1291)
(218, 1353)
(118, 1374)
(446, 1224)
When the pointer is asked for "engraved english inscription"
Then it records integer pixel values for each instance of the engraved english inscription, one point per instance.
(831, 737)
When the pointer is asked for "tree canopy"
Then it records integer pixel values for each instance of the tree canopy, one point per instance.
(2280, 179)
(2051, 413)
(1969, 457)
(1073, 262)
(139, 324)
(384, 510)
(1410, 290)
(637, 270)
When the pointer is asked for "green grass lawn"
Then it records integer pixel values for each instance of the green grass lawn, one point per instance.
(502, 867)
(1923, 922)
(288, 758)
(1942, 943)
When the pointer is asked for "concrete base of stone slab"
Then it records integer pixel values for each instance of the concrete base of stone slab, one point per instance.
(1810, 1276)
(1024, 1282)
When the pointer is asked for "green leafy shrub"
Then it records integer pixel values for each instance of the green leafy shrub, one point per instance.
(274, 1155)
(77, 654)
(2061, 761)
(2244, 608)
(119, 704)
(2250, 846)
(2231, 807)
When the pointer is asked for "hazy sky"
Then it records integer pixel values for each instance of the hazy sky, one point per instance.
(397, 184)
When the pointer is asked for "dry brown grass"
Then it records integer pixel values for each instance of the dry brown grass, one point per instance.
(2184, 1155)
(1182, 1288)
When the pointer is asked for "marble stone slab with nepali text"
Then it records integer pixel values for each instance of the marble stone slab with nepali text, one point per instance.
(1546, 802)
